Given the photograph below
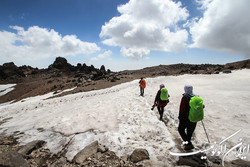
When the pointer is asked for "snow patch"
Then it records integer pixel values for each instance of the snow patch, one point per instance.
(4, 89)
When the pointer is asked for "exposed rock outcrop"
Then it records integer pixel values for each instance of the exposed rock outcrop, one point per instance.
(28, 148)
(10, 72)
(88, 151)
(12, 159)
(139, 155)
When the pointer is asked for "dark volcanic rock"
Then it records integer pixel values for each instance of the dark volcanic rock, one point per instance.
(28, 148)
(102, 69)
(12, 159)
(193, 160)
(10, 71)
(61, 63)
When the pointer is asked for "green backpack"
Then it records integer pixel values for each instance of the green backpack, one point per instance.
(196, 112)
(164, 94)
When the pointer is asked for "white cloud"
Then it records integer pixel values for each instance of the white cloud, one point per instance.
(38, 43)
(134, 53)
(7, 39)
(148, 24)
(223, 27)
(203, 3)
(105, 55)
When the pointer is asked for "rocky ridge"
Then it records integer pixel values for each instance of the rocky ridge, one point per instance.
(61, 76)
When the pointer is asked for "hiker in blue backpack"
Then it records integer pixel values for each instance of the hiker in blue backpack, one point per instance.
(161, 100)
(186, 127)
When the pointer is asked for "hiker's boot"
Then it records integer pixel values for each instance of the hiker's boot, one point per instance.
(188, 146)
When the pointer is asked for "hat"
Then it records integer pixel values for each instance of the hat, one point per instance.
(188, 90)
(162, 86)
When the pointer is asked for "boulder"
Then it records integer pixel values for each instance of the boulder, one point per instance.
(102, 69)
(88, 151)
(12, 159)
(61, 63)
(193, 160)
(28, 148)
(139, 155)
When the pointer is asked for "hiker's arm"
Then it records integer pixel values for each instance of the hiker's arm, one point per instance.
(184, 107)
(157, 97)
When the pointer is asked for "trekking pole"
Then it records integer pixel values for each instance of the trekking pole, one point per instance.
(205, 131)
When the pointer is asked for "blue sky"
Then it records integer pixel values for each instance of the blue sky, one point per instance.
(124, 34)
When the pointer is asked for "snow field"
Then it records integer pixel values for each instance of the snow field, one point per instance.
(123, 121)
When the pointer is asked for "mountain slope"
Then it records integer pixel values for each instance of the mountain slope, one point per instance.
(122, 120)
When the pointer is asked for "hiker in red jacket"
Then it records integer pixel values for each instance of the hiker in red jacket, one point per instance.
(142, 85)
(186, 128)
(159, 102)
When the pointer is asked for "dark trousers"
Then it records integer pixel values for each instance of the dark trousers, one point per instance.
(186, 129)
(142, 91)
(161, 111)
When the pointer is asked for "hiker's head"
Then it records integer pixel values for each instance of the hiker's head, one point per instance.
(162, 86)
(141, 77)
(188, 89)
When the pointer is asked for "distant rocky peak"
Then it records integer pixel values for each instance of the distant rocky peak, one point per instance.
(61, 63)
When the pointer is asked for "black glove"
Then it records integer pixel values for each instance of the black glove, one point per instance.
(153, 107)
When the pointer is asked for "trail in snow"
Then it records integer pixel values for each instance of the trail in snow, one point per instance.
(117, 117)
